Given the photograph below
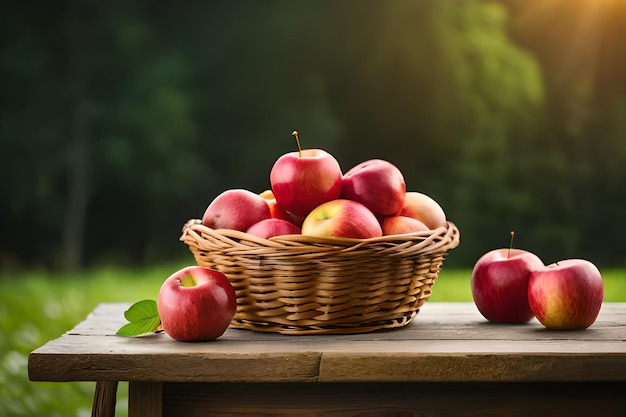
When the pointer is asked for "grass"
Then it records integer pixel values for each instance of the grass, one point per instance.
(37, 307)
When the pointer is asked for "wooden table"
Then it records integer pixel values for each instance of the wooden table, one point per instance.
(448, 361)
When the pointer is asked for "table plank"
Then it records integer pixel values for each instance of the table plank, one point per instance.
(445, 342)
(394, 399)
(436, 321)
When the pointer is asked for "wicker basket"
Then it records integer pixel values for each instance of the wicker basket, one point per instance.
(303, 285)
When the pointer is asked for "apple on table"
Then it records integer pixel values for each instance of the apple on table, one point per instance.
(567, 294)
(196, 304)
(499, 284)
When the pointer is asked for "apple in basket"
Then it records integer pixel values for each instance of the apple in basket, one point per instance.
(342, 218)
(196, 304)
(567, 294)
(273, 227)
(395, 225)
(499, 284)
(305, 179)
(276, 210)
(377, 184)
(423, 208)
(236, 209)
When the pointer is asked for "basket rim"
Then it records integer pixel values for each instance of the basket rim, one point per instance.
(442, 238)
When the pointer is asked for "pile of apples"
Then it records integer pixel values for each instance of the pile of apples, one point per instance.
(513, 286)
(310, 195)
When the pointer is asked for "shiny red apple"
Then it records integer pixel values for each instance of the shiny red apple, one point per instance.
(342, 218)
(567, 294)
(196, 304)
(377, 184)
(305, 179)
(236, 209)
(424, 208)
(499, 284)
(273, 227)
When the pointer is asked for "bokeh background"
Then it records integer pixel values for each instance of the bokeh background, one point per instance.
(122, 120)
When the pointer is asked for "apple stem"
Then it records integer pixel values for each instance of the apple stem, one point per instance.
(295, 134)
(508, 255)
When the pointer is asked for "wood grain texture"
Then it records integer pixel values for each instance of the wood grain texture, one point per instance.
(145, 399)
(104, 399)
(445, 342)
(393, 400)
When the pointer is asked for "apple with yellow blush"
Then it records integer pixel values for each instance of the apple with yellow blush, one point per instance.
(342, 218)
(396, 225)
(567, 294)
(423, 208)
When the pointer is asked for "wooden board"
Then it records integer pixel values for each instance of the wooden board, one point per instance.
(446, 342)
(393, 400)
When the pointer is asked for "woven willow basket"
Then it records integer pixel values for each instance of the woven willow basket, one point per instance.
(303, 285)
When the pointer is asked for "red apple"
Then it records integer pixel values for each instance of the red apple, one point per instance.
(273, 227)
(277, 212)
(305, 179)
(567, 294)
(341, 218)
(377, 184)
(499, 284)
(396, 225)
(196, 303)
(236, 209)
(424, 208)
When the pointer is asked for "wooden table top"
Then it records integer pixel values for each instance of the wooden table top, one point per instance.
(445, 342)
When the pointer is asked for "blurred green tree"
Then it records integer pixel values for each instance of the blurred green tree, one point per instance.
(578, 178)
(440, 89)
(121, 121)
(99, 124)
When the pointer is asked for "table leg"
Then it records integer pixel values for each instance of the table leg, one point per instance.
(104, 399)
(145, 399)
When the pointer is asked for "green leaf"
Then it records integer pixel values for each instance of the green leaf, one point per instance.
(143, 317)
(136, 328)
(141, 309)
